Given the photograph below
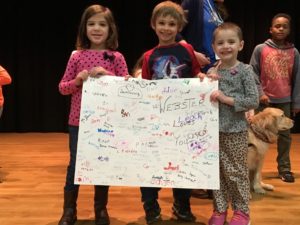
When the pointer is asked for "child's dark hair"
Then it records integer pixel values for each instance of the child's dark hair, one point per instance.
(138, 66)
(228, 26)
(169, 8)
(287, 16)
(82, 40)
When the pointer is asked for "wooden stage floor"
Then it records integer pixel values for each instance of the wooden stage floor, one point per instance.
(32, 174)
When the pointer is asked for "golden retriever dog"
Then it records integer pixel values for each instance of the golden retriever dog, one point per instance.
(263, 130)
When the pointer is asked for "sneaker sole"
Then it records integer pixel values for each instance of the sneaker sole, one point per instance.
(157, 219)
(180, 218)
(287, 180)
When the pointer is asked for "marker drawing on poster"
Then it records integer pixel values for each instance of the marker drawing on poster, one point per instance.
(160, 133)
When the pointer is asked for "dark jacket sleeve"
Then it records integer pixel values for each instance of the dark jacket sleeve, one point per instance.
(192, 32)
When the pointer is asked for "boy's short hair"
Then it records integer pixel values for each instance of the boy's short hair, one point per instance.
(169, 8)
(287, 16)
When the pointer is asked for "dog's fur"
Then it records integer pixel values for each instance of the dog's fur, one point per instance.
(263, 131)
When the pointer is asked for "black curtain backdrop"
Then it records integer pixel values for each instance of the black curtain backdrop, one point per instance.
(36, 41)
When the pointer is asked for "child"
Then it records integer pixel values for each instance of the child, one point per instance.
(97, 40)
(276, 63)
(237, 94)
(168, 60)
(137, 69)
(4, 80)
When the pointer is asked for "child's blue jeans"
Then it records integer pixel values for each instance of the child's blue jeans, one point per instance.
(73, 138)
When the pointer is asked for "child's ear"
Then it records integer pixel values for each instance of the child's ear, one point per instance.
(213, 47)
(152, 26)
(241, 45)
(180, 29)
(270, 30)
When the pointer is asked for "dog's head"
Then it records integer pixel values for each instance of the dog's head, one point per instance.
(276, 120)
(270, 121)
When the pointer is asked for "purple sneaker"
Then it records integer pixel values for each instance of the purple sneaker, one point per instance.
(218, 218)
(240, 218)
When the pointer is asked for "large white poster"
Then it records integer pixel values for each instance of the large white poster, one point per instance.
(160, 133)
